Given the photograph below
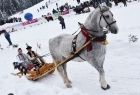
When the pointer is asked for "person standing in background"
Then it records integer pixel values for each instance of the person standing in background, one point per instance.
(62, 22)
(7, 36)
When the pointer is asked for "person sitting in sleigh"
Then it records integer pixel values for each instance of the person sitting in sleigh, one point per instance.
(23, 64)
(35, 58)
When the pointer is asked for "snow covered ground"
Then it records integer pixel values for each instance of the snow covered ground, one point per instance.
(122, 65)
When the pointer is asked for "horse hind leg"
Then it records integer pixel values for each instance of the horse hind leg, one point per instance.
(63, 73)
(57, 59)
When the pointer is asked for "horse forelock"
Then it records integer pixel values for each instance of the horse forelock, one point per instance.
(104, 8)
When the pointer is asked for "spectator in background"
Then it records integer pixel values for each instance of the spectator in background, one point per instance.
(7, 36)
(19, 19)
(54, 11)
(78, 1)
(56, 5)
(61, 9)
(62, 22)
(46, 5)
(37, 10)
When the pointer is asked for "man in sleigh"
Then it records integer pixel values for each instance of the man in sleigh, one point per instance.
(30, 63)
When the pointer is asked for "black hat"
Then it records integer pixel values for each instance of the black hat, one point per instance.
(28, 47)
(19, 49)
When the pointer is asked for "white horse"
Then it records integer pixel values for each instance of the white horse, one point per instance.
(61, 46)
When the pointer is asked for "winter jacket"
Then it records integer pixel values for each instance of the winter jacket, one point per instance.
(34, 57)
(23, 59)
(61, 19)
(6, 34)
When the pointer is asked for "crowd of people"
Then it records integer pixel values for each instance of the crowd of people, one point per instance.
(42, 7)
(10, 20)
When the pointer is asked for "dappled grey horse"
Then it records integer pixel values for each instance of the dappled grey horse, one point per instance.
(61, 46)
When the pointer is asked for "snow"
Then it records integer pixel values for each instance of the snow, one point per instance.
(121, 66)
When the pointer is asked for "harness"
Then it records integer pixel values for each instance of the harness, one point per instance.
(88, 36)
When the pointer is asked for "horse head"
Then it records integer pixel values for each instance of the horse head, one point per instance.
(101, 18)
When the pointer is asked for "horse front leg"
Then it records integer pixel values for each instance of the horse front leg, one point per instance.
(99, 68)
(102, 79)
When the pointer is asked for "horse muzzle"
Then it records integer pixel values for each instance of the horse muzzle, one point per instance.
(114, 30)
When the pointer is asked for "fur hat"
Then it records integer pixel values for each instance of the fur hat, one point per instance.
(28, 47)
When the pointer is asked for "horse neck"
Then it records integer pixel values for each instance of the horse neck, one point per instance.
(92, 22)
(81, 39)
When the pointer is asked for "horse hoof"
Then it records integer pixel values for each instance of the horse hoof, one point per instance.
(69, 86)
(108, 87)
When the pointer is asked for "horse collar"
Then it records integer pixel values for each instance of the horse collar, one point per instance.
(88, 36)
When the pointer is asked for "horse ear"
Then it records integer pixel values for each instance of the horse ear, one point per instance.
(104, 7)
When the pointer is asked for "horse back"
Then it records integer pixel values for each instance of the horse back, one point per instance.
(61, 45)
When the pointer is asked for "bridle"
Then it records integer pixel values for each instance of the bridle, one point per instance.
(88, 35)
(102, 16)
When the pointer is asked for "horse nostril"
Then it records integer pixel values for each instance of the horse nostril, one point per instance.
(116, 31)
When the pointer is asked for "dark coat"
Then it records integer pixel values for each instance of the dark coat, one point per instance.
(61, 19)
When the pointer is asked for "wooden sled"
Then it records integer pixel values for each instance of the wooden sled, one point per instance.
(42, 71)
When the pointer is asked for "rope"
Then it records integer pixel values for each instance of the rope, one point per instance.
(76, 31)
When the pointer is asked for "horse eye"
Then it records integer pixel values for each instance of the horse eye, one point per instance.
(107, 16)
